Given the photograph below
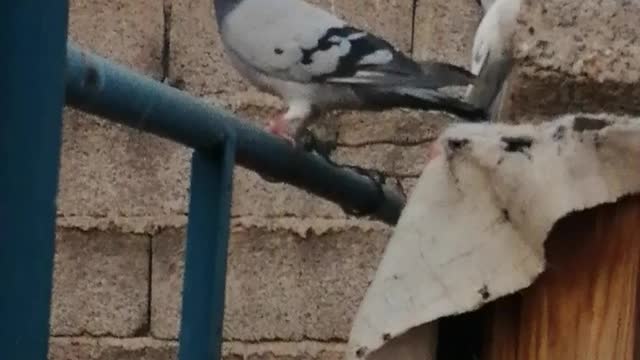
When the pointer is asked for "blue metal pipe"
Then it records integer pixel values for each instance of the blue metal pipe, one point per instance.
(98, 86)
(206, 253)
(32, 38)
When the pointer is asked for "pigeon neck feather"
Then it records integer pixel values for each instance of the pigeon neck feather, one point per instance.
(223, 7)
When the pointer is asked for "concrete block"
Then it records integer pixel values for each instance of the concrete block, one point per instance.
(253, 196)
(293, 283)
(323, 355)
(444, 30)
(101, 282)
(84, 348)
(398, 126)
(196, 56)
(304, 350)
(87, 348)
(575, 56)
(111, 170)
(167, 270)
(108, 169)
(394, 160)
(129, 32)
(303, 356)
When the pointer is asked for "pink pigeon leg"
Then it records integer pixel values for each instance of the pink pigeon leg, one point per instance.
(278, 126)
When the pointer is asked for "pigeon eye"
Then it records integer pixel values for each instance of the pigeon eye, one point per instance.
(278, 51)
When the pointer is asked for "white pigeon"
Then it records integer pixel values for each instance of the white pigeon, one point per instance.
(316, 62)
(492, 57)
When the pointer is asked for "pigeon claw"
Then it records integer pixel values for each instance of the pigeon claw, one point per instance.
(310, 143)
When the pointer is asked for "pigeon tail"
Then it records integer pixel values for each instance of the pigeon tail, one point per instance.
(426, 100)
(441, 74)
(487, 88)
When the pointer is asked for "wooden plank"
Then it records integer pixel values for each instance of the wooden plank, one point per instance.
(501, 332)
(585, 305)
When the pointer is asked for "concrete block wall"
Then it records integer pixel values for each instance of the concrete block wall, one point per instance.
(298, 266)
(575, 56)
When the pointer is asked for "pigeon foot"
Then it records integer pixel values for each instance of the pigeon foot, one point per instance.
(278, 126)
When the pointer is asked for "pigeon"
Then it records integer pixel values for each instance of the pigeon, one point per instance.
(492, 58)
(485, 4)
(316, 62)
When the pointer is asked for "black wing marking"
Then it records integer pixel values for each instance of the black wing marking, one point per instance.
(362, 45)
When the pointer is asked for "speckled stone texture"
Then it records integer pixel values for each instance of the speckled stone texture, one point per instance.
(575, 56)
(101, 283)
(283, 282)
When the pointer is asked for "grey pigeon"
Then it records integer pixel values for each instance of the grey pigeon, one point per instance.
(485, 4)
(316, 62)
(492, 57)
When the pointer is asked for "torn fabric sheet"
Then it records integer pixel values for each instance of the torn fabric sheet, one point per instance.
(474, 226)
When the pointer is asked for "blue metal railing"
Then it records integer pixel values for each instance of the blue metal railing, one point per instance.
(206, 253)
(33, 38)
(97, 85)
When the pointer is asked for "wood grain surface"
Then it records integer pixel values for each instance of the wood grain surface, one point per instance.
(585, 305)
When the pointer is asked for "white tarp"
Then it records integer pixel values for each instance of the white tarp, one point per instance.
(474, 226)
